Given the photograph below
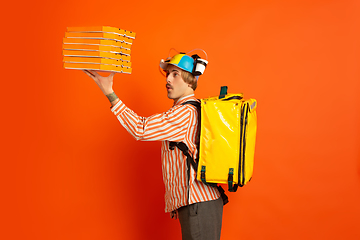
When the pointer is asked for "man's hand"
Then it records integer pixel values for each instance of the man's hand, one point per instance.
(105, 83)
(174, 214)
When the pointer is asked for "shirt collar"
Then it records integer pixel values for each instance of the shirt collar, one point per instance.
(184, 99)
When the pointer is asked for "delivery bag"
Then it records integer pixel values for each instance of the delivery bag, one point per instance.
(227, 140)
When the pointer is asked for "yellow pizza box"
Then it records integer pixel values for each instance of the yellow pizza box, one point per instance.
(96, 48)
(126, 58)
(79, 53)
(97, 67)
(91, 47)
(106, 29)
(98, 35)
(87, 41)
(96, 60)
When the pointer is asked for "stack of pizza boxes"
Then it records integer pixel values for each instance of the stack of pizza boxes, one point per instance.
(98, 48)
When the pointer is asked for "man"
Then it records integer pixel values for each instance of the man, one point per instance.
(198, 206)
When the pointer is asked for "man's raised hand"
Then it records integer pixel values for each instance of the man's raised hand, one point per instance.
(105, 83)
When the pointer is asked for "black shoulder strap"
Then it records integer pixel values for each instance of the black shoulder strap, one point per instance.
(194, 103)
(185, 150)
(190, 160)
(182, 146)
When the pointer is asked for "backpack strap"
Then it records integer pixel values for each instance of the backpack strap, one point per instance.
(185, 150)
(190, 160)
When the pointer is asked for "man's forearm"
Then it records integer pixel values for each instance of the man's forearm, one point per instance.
(113, 99)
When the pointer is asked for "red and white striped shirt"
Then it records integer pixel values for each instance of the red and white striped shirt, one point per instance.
(178, 124)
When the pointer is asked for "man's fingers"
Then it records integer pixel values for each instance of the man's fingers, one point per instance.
(174, 214)
(88, 73)
(94, 73)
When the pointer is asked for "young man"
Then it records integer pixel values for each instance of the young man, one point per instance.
(198, 206)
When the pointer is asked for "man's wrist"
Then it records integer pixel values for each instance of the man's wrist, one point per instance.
(112, 97)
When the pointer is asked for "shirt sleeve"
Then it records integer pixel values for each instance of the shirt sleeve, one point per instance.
(171, 125)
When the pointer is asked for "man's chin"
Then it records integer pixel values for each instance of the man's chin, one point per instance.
(169, 95)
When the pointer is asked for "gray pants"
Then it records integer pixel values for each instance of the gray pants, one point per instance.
(201, 221)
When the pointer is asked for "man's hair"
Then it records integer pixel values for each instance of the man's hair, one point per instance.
(189, 79)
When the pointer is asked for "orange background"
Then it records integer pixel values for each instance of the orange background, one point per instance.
(70, 171)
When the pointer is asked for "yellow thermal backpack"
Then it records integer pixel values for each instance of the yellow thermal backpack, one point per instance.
(227, 141)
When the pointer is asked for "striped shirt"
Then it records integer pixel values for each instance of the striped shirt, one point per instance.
(178, 124)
